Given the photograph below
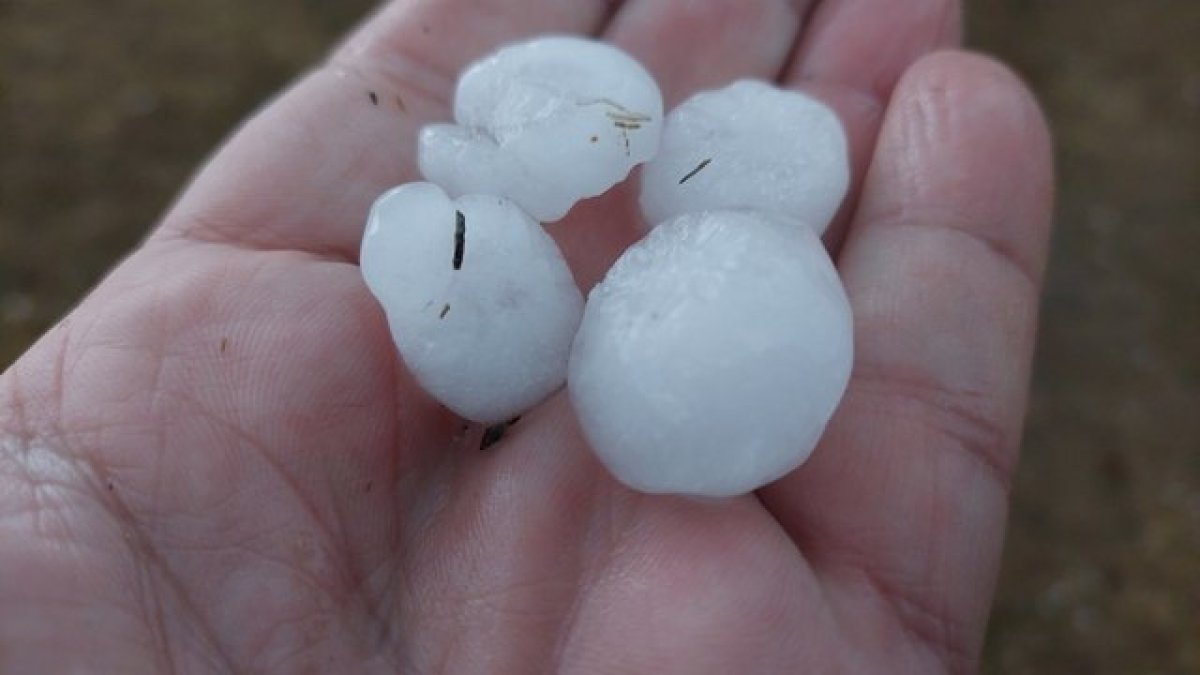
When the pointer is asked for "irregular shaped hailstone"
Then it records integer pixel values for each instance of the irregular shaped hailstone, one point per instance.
(545, 123)
(712, 355)
(479, 299)
(749, 146)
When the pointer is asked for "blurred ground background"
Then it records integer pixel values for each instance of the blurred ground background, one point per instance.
(106, 108)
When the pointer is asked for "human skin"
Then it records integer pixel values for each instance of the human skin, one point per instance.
(216, 462)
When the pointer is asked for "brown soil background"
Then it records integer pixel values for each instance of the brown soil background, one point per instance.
(107, 107)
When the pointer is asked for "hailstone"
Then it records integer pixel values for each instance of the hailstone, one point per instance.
(713, 354)
(480, 302)
(749, 146)
(545, 123)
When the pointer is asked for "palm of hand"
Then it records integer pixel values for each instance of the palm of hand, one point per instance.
(217, 463)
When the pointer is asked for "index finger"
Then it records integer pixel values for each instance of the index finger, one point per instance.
(302, 174)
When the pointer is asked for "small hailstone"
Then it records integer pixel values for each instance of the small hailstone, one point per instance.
(749, 146)
(480, 301)
(545, 123)
(713, 354)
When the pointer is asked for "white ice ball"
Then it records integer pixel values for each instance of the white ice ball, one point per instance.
(712, 356)
(749, 146)
(480, 302)
(545, 123)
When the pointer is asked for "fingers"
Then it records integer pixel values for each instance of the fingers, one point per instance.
(689, 46)
(902, 508)
(851, 55)
(686, 46)
(867, 44)
(441, 36)
(302, 174)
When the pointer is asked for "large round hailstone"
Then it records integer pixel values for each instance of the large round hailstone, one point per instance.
(749, 146)
(545, 123)
(712, 356)
(479, 299)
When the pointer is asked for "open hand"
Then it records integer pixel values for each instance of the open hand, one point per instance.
(216, 463)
